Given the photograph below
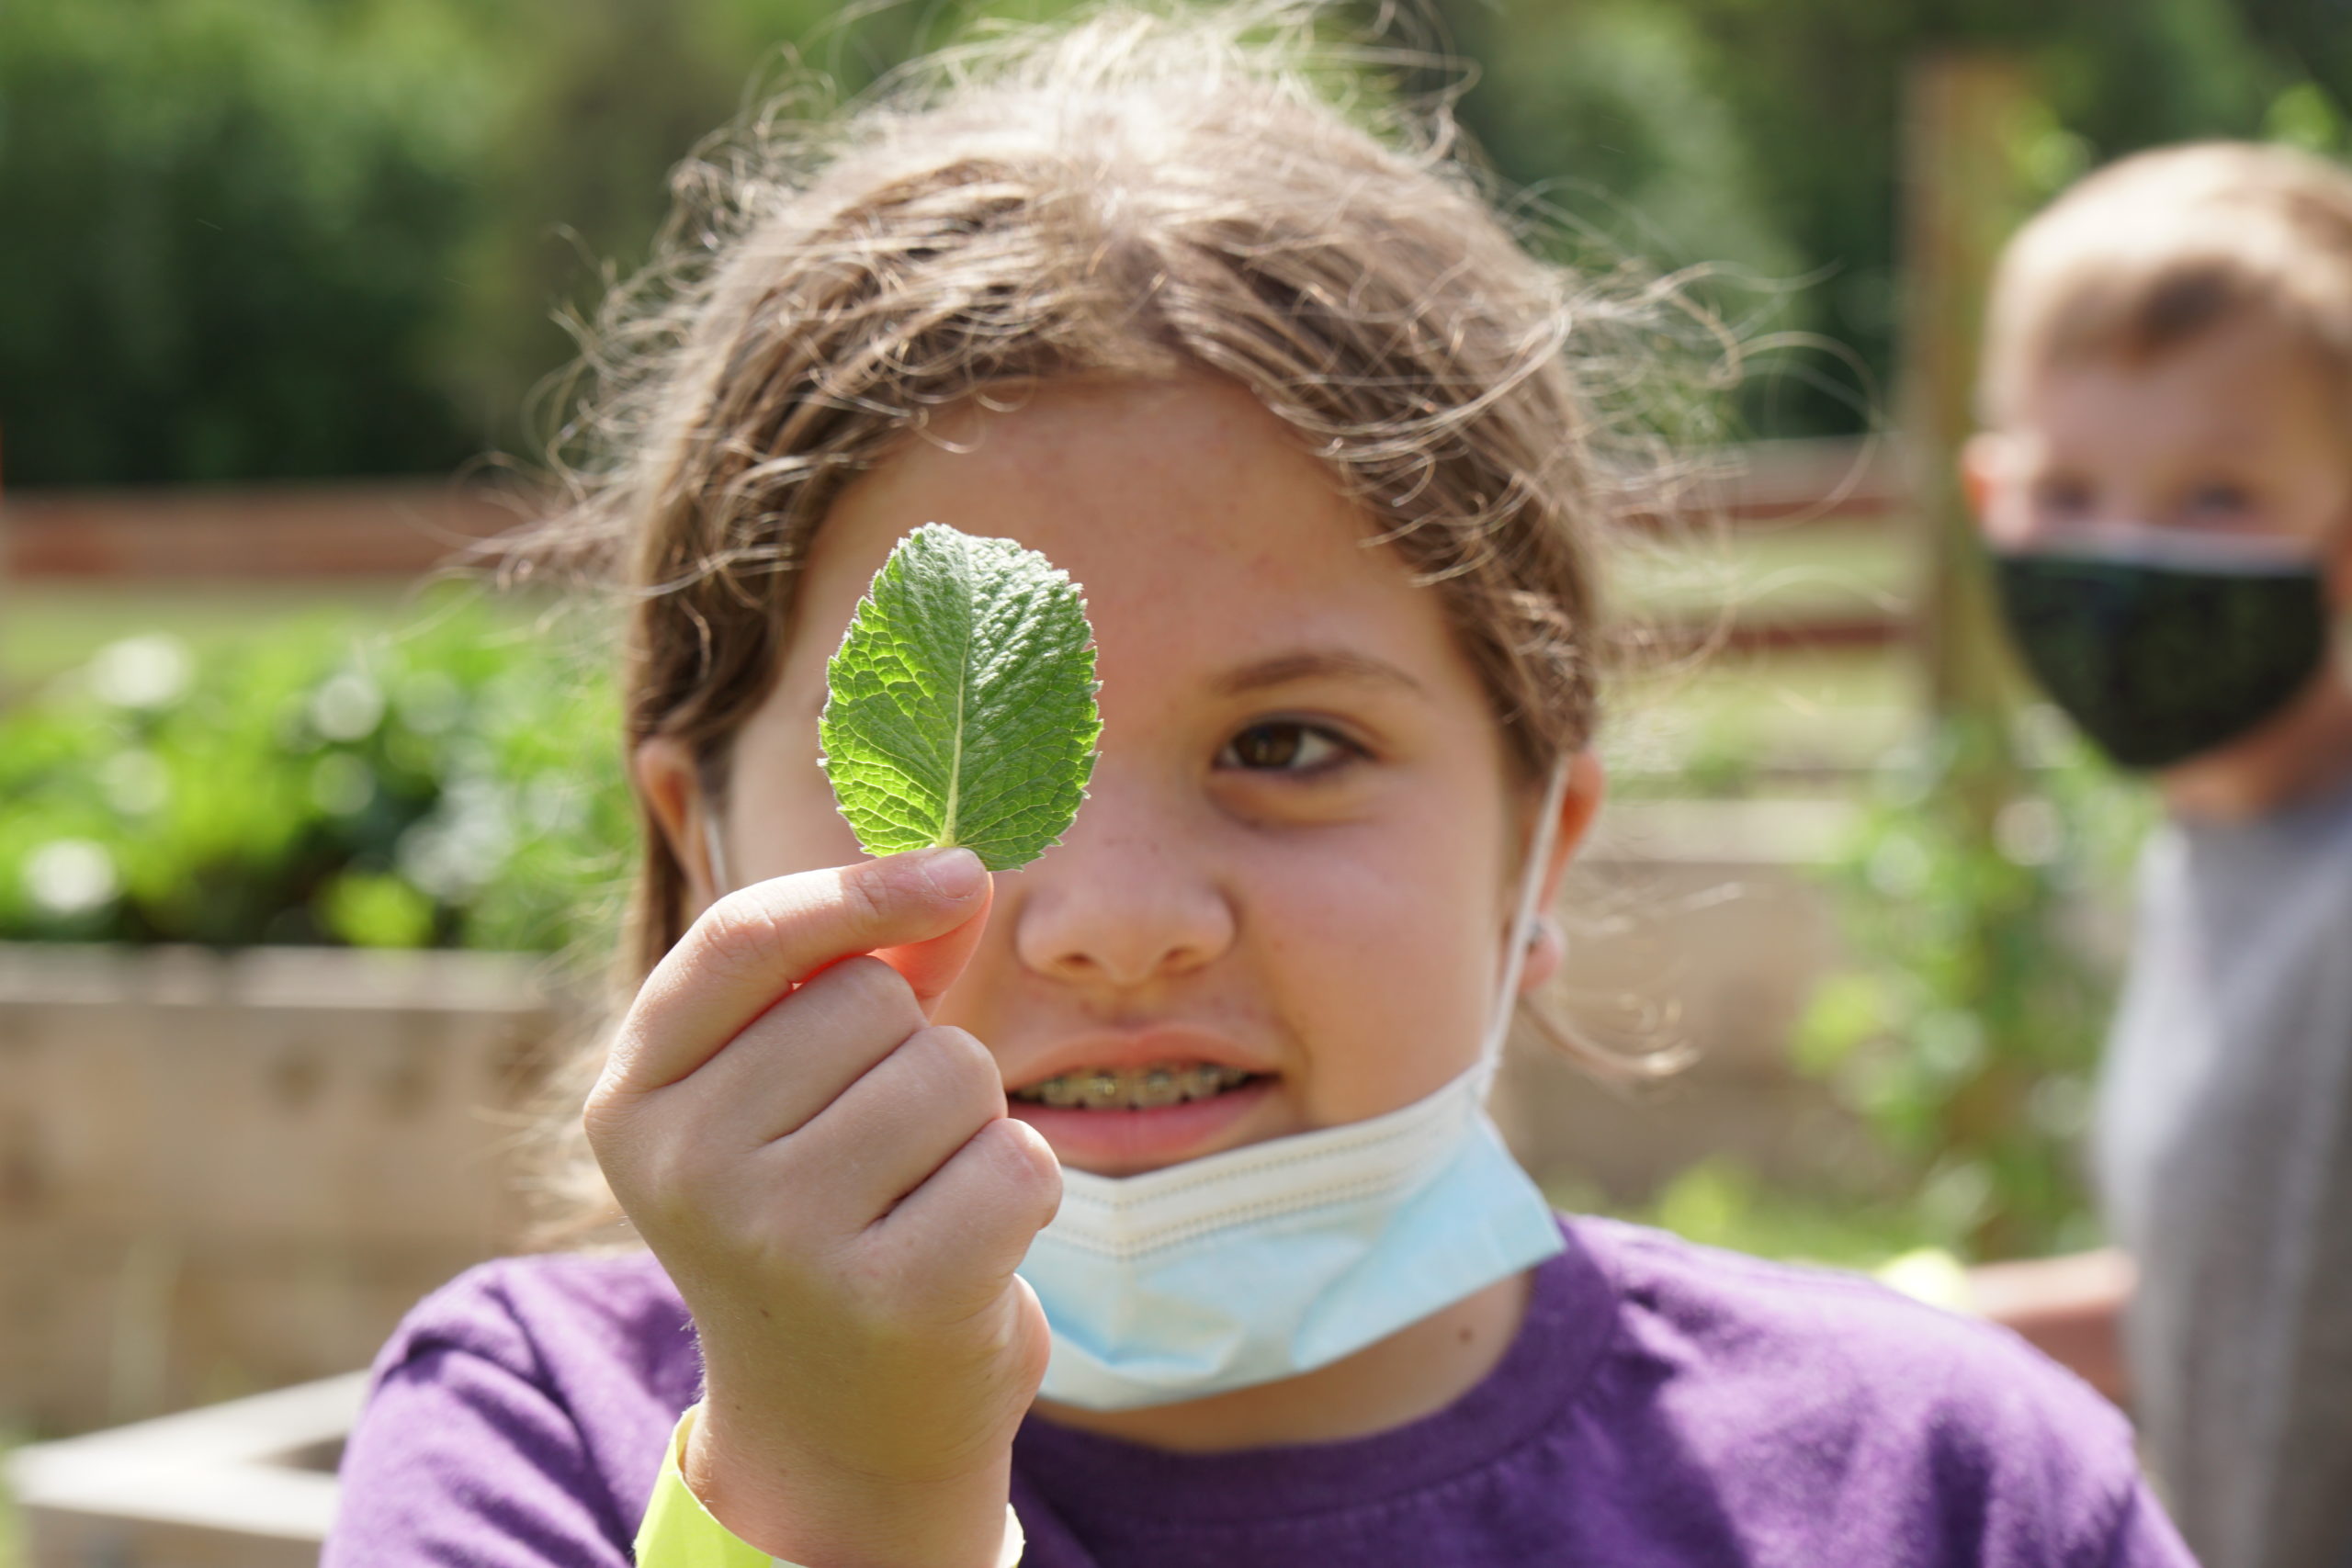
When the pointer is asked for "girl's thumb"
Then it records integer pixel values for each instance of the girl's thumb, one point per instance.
(930, 966)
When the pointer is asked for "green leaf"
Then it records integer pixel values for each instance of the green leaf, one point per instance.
(960, 708)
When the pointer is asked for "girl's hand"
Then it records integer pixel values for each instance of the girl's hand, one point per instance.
(840, 1195)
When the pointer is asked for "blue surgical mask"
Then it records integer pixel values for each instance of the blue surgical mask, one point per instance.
(1275, 1259)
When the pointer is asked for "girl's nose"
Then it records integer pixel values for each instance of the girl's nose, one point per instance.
(1125, 900)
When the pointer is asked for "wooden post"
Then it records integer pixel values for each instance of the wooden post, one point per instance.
(1962, 197)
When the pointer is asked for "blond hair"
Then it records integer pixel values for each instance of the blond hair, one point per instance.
(1139, 196)
(2159, 248)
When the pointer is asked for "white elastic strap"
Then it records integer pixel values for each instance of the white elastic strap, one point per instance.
(716, 853)
(1522, 924)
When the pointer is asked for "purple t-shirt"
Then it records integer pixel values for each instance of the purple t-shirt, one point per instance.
(1665, 1403)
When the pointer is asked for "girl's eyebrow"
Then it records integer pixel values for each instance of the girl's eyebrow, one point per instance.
(1313, 664)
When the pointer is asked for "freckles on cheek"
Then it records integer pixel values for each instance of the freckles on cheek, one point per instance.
(1382, 965)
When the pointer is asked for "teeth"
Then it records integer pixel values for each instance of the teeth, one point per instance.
(1160, 1087)
(1133, 1088)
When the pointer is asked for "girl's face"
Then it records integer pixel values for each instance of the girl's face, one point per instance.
(1283, 904)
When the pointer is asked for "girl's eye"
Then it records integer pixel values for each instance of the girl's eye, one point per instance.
(1284, 746)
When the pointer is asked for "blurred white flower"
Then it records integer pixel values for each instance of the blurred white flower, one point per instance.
(141, 672)
(458, 849)
(71, 877)
(346, 706)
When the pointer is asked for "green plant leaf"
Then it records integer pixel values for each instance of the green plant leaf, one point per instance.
(960, 707)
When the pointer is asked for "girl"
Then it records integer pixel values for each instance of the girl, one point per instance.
(1322, 443)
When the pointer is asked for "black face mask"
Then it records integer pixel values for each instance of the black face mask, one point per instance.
(2158, 661)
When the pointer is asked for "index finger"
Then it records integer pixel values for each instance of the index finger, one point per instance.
(750, 949)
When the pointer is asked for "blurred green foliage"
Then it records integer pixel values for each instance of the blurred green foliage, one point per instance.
(1767, 133)
(264, 238)
(1722, 1202)
(231, 226)
(253, 238)
(452, 784)
(1967, 1031)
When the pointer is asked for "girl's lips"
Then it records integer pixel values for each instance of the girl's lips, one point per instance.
(1123, 1143)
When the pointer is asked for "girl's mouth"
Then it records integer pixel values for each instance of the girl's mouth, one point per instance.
(1120, 1121)
(1152, 1088)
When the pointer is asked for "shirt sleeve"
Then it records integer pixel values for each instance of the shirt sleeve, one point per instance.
(679, 1532)
(460, 1460)
(2145, 1536)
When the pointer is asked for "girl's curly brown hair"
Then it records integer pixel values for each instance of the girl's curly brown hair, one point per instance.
(1141, 195)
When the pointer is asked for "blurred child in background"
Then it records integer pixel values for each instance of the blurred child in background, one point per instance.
(2167, 489)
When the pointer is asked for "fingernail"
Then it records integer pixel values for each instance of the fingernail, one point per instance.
(954, 873)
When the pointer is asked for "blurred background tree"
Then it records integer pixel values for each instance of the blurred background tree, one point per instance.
(1763, 133)
(231, 229)
(274, 238)
(263, 238)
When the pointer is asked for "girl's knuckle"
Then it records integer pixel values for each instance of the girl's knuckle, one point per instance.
(739, 932)
(1023, 1170)
(957, 1066)
(878, 987)
(606, 1117)
(617, 1123)
(866, 899)
(867, 987)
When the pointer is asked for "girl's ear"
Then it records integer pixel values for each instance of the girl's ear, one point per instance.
(1579, 804)
(671, 786)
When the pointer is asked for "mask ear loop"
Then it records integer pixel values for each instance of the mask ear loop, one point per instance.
(714, 852)
(1523, 919)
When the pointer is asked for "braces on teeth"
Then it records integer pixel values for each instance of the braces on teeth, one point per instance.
(1132, 1089)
